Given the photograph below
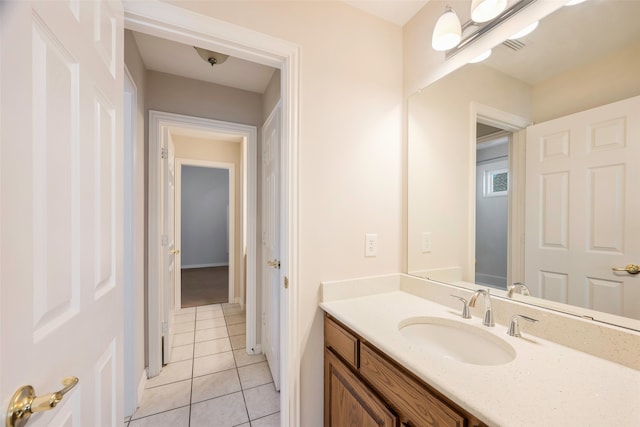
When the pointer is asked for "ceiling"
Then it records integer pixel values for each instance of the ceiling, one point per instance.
(557, 35)
(182, 60)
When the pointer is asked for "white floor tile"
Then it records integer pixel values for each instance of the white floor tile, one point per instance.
(235, 319)
(174, 418)
(213, 363)
(171, 373)
(272, 420)
(184, 327)
(239, 329)
(238, 341)
(254, 375)
(211, 334)
(210, 323)
(262, 401)
(243, 359)
(184, 317)
(215, 385)
(187, 310)
(183, 338)
(233, 310)
(225, 411)
(183, 352)
(212, 307)
(206, 348)
(164, 398)
(207, 315)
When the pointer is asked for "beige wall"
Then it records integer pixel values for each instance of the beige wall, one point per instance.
(219, 151)
(173, 94)
(349, 154)
(611, 78)
(134, 64)
(441, 162)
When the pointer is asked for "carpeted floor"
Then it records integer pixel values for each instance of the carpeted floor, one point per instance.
(204, 286)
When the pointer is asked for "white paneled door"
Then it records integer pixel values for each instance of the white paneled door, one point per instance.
(271, 273)
(61, 207)
(583, 209)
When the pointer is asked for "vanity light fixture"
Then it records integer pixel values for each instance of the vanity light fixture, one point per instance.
(527, 30)
(481, 57)
(448, 32)
(486, 10)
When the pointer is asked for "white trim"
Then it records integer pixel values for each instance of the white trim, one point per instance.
(230, 167)
(174, 23)
(142, 384)
(131, 399)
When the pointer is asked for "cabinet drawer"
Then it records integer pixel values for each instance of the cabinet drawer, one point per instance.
(412, 400)
(341, 342)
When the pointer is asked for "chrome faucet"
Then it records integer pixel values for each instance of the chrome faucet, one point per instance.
(514, 326)
(488, 313)
(511, 289)
(465, 307)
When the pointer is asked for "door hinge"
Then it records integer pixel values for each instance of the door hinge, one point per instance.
(286, 282)
(164, 153)
(164, 240)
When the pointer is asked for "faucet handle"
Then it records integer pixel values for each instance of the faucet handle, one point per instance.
(514, 326)
(465, 307)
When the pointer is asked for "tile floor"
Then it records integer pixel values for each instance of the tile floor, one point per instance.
(210, 379)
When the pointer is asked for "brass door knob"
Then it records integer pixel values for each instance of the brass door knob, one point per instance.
(631, 269)
(24, 402)
(175, 251)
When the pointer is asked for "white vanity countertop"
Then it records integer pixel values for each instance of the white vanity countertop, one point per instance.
(546, 384)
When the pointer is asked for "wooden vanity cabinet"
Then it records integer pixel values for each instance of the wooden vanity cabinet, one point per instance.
(363, 387)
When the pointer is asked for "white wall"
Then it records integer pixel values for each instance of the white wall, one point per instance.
(204, 217)
(350, 131)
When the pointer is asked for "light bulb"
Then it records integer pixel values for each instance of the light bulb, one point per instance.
(527, 30)
(448, 32)
(481, 57)
(486, 10)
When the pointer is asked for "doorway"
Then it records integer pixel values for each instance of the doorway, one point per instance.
(165, 20)
(205, 232)
(492, 205)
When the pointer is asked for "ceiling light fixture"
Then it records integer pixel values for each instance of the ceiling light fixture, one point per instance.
(481, 57)
(448, 32)
(527, 30)
(210, 56)
(486, 10)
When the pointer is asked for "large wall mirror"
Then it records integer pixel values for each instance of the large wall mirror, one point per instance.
(525, 167)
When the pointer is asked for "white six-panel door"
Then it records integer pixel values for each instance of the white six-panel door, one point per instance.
(583, 209)
(61, 207)
(271, 277)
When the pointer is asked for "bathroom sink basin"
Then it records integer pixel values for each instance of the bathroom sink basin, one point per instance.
(456, 340)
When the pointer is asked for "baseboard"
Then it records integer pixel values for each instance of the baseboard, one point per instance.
(215, 264)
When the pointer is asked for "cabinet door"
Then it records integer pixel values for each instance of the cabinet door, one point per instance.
(348, 402)
(409, 397)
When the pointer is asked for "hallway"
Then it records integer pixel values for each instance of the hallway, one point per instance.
(210, 380)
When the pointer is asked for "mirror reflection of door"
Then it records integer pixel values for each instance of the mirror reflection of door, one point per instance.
(492, 206)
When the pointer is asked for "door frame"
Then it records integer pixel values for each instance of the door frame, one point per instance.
(174, 23)
(515, 233)
(161, 123)
(211, 164)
